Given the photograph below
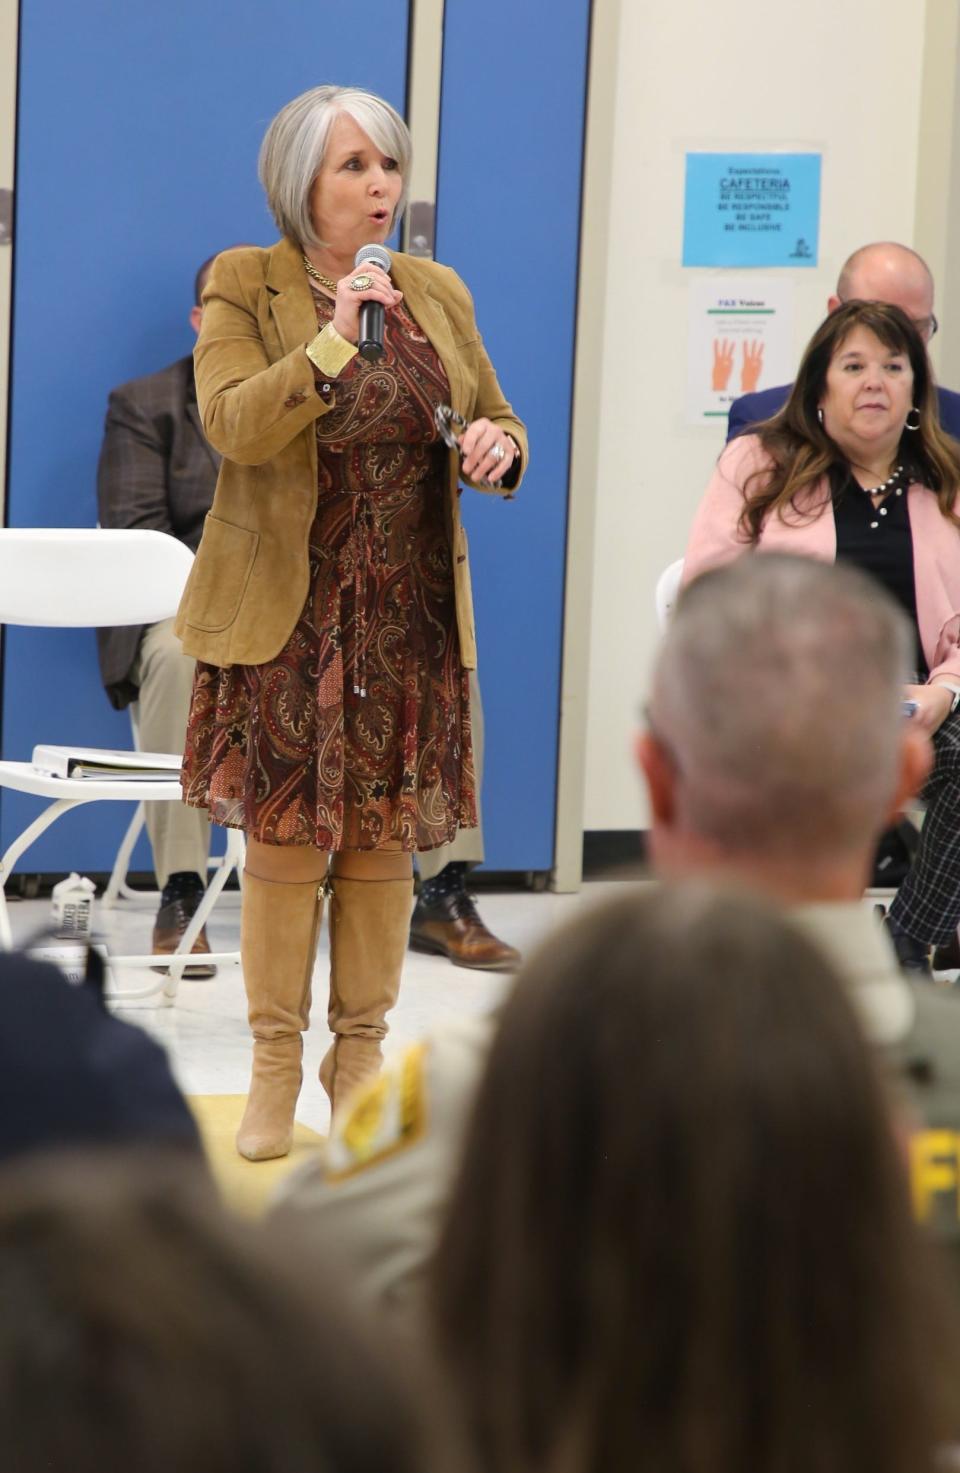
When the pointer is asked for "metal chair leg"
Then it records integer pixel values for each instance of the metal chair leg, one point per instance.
(117, 887)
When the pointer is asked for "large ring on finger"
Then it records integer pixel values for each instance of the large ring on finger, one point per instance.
(361, 283)
(498, 452)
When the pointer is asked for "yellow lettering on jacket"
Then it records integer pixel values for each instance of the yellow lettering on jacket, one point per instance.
(934, 1170)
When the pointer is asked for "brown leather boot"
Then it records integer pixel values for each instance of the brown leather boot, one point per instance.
(279, 923)
(369, 923)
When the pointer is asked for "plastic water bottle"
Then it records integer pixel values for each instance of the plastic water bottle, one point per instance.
(73, 907)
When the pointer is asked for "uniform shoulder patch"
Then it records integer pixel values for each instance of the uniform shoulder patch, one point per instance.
(386, 1116)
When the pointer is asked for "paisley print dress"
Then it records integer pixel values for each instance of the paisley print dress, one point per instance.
(357, 734)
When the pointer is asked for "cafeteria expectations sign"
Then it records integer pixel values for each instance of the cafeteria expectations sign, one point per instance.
(751, 209)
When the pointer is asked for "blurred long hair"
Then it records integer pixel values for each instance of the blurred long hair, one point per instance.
(680, 1239)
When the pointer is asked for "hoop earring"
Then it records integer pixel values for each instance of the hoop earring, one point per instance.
(820, 416)
(906, 423)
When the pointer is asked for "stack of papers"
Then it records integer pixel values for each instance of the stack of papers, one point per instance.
(100, 763)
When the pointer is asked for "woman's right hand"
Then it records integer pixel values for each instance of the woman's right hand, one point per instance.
(346, 313)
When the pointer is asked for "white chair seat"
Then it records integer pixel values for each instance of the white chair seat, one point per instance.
(24, 778)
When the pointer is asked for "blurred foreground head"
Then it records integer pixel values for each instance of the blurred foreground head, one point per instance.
(775, 737)
(143, 1329)
(680, 1238)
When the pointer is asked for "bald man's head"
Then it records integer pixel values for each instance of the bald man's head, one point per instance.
(892, 273)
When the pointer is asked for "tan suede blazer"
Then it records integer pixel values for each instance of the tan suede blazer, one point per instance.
(258, 401)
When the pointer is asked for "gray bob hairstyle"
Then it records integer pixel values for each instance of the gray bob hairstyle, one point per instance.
(295, 143)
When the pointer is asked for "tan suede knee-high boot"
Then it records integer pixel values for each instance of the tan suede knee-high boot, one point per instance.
(279, 923)
(369, 926)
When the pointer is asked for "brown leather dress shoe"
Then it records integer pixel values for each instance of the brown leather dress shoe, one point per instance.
(450, 926)
(171, 923)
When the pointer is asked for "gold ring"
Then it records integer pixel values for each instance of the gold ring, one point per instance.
(361, 283)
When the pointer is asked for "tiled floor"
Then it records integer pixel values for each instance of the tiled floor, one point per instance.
(205, 1031)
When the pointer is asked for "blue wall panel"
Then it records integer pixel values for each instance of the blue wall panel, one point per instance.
(508, 201)
(138, 130)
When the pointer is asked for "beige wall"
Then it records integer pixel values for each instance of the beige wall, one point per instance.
(938, 203)
(845, 79)
(8, 94)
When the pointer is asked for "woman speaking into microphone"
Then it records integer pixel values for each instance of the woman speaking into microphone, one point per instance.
(329, 605)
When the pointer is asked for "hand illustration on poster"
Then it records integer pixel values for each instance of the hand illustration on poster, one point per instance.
(722, 362)
(751, 366)
(740, 340)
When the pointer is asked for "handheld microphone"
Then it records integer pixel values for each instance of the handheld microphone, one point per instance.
(370, 341)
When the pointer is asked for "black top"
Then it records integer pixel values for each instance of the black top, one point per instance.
(879, 540)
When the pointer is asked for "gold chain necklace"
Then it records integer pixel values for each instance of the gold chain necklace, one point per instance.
(311, 270)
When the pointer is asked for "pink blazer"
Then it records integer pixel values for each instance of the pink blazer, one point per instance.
(714, 539)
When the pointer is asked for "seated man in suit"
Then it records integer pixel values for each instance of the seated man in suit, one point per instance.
(882, 272)
(158, 472)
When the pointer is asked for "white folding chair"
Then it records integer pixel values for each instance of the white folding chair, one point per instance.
(667, 591)
(94, 577)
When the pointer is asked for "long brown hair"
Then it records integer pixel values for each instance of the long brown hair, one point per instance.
(680, 1239)
(803, 453)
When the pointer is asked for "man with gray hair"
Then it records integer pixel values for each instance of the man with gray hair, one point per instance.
(775, 754)
(776, 746)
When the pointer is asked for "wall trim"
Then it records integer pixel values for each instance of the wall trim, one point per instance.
(585, 442)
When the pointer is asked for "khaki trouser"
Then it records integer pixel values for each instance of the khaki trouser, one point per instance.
(467, 847)
(179, 836)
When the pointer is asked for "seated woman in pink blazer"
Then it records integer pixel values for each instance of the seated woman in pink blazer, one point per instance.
(856, 466)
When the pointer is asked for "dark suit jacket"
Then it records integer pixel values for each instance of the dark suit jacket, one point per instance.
(750, 409)
(158, 472)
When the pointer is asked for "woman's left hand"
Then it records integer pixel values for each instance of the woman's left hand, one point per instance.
(481, 459)
(933, 705)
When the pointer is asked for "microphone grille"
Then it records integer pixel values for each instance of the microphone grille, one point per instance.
(375, 254)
